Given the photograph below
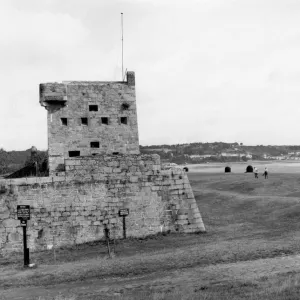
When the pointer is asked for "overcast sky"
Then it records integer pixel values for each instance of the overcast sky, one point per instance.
(206, 70)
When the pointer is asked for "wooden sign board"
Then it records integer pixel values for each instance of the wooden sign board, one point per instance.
(23, 212)
(123, 212)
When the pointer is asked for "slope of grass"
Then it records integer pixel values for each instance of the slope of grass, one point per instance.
(272, 288)
(246, 219)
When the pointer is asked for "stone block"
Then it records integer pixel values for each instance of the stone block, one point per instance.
(155, 188)
(182, 211)
(190, 199)
(4, 215)
(194, 205)
(85, 222)
(179, 181)
(197, 215)
(134, 179)
(190, 195)
(182, 217)
(14, 237)
(197, 221)
(66, 213)
(11, 223)
(182, 222)
(194, 210)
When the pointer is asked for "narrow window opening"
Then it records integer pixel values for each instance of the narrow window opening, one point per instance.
(40, 233)
(93, 107)
(64, 121)
(125, 106)
(104, 120)
(74, 153)
(84, 121)
(124, 120)
(95, 144)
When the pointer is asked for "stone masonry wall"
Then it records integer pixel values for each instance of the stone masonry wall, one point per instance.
(76, 206)
(73, 126)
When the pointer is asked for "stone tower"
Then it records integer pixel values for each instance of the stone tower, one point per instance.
(88, 118)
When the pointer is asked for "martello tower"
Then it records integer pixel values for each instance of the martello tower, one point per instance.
(90, 118)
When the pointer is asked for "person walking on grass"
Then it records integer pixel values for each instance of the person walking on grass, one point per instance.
(255, 172)
(266, 173)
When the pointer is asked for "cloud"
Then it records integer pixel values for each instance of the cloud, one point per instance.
(33, 46)
(205, 70)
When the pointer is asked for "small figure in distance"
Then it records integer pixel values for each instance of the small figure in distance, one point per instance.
(255, 172)
(266, 173)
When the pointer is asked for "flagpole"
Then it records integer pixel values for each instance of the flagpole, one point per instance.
(122, 44)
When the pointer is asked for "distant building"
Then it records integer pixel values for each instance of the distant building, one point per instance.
(248, 155)
(203, 156)
(277, 157)
(230, 154)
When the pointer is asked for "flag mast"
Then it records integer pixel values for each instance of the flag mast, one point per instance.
(122, 45)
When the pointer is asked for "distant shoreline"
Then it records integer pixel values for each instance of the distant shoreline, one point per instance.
(240, 167)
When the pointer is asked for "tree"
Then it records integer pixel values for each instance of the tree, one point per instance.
(41, 159)
(3, 161)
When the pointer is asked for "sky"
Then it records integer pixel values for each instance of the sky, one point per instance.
(206, 70)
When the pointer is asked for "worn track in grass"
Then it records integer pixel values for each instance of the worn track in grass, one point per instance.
(194, 278)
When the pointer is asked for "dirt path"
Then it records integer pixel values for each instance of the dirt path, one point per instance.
(196, 277)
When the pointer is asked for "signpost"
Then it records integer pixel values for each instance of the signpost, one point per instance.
(23, 214)
(124, 212)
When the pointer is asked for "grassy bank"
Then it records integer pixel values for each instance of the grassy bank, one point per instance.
(272, 288)
(246, 220)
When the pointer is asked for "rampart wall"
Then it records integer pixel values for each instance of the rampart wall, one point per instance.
(76, 206)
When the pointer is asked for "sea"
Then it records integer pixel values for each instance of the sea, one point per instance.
(240, 167)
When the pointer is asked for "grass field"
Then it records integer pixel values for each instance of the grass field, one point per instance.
(250, 251)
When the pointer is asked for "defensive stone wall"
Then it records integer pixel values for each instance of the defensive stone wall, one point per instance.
(77, 205)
